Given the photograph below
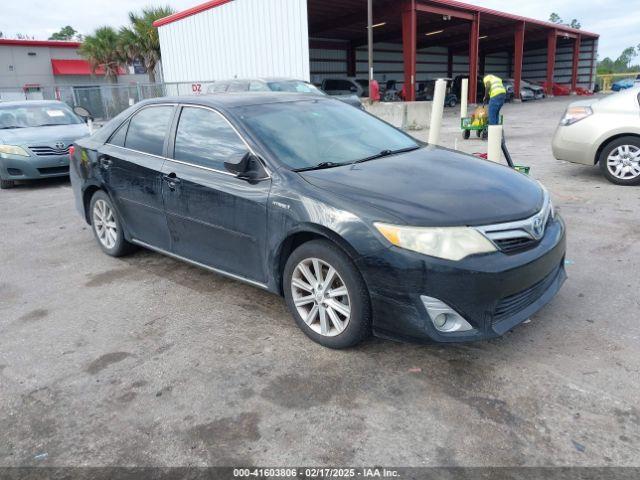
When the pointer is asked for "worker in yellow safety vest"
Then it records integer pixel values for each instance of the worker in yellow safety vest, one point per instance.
(495, 94)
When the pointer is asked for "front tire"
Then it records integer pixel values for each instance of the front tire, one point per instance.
(107, 226)
(326, 295)
(620, 161)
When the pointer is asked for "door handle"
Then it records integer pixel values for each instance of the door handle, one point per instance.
(172, 180)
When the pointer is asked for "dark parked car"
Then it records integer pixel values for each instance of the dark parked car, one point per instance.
(34, 140)
(358, 225)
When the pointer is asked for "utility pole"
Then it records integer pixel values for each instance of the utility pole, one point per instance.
(370, 40)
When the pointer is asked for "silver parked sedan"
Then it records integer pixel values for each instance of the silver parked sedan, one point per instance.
(34, 140)
(604, 131)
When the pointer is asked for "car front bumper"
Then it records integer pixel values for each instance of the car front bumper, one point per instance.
(575, 143)
(493, 292)
(14, 167)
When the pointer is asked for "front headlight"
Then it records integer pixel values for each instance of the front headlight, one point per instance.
(575, 114)
(13, 150)
(450, 243)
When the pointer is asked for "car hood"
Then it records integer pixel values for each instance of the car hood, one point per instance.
(44, 135)
(434, 186)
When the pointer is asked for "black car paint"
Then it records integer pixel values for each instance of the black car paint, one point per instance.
(246, 228)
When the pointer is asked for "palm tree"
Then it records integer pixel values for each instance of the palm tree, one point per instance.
(140, 40)
(101, 50)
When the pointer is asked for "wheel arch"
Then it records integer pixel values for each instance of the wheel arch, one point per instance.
(303, 235)
(613, 138)
(87, 194)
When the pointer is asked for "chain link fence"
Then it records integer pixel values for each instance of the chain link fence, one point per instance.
(105, 101)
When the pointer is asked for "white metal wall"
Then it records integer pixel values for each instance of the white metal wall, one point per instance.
(239, 39)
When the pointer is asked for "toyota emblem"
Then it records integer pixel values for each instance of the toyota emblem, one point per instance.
(60, 145)
(537, 227)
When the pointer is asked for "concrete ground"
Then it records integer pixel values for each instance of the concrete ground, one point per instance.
(145, 361)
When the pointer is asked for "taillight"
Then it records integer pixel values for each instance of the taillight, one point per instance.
(72, 151)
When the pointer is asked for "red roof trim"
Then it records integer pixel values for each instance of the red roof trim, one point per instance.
(39, 43)
(76, 67)
(191, 11)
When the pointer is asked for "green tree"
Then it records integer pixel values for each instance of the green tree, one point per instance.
(627, 55)
(101, 50)
(140, 41)
(65, 33)
(575, 24)
(555, 18)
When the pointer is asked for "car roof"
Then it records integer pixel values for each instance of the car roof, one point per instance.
(260, 79)
(23, 103)
(236, 99)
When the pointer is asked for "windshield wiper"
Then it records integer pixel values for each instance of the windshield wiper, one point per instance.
(51, 124)
(319, 166)
(387, 153)
(11, 127)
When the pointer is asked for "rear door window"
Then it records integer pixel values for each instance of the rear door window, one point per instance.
(148, 129)
(206, 139)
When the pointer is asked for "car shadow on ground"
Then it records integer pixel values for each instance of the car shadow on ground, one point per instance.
(43, 183)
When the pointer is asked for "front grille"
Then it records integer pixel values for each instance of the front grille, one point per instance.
(53, 170)
(509, 306)
(49, 151)
(514, 245)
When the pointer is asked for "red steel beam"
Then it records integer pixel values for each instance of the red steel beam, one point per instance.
(409, 47)
(576, 60)
(552, 43)
(474, 44)
(518, 55)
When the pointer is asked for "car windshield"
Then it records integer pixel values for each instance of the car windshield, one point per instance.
(23, 116)
(294, 86)
(310, 133)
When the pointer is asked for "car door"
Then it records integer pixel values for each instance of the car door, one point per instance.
(214, 217)
(131, 166)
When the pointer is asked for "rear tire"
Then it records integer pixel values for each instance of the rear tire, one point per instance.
(6, 184)
(107, 226)
(620, 161)
(321, 283)
(466, 134)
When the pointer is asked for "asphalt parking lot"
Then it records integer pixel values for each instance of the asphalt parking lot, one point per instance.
(146, 361)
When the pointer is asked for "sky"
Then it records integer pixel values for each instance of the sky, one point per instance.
(617, 22)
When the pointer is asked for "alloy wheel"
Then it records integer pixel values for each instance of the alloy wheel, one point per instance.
(321, 297)
(624, 162)
(104, 223)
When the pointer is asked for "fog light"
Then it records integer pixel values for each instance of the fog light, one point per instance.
(443, 317)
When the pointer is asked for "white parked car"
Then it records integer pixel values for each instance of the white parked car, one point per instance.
(604, 131)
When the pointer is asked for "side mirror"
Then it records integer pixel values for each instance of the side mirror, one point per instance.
(353, 89)
(82, 112)
(248, 167)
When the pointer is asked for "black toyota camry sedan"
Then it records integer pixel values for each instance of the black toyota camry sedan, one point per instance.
(359, 226)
